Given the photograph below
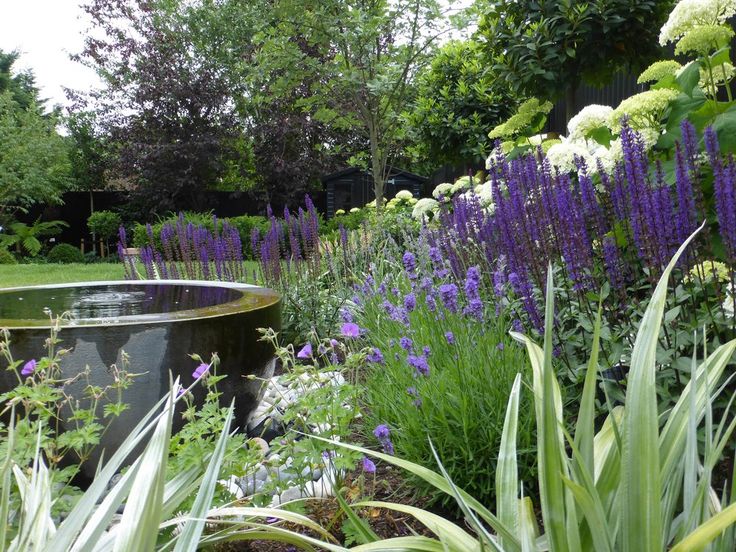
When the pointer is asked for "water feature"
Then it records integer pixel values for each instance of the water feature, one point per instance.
(157, 324)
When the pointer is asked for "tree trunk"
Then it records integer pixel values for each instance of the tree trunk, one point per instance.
(570, 102)
(377, 165)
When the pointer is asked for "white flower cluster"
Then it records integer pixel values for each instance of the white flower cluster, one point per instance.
(704, 39)
(644, 110)
(425, 207)
(404, 194)
(687, 14)
(589, 118)
(659, 70)
(442, 190)
(563, 155)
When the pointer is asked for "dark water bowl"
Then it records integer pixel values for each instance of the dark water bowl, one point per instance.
(157, 324)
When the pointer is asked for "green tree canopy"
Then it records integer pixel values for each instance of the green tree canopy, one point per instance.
(546, 48)
(459, 99)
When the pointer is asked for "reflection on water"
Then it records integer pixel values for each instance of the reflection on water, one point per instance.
(111, 301)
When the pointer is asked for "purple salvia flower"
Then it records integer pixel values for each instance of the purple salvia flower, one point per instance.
(685, 219)
(613, 263)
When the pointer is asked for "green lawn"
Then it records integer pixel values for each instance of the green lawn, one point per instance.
(36, 274)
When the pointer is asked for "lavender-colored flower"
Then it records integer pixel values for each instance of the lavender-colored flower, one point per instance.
(426, 350)
(410, 302)
(450, 337)
(368, 465)
(410, 264)
(406, 343)
(472, 284)
(517, 325)
(419, 363)
(435, 256)
(28, 368)
(500, 346)
(448, 294)
(474, 309)
(200, 370)
(305, 352)
(346, 315)
(375, 356)
(431, 303)
(383, 434)
(350, 329)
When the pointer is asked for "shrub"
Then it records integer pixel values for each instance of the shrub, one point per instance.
(436, 349)
(65, 253)
(6, 257)
(104, 224)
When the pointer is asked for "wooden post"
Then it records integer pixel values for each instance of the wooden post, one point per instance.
(81, 246)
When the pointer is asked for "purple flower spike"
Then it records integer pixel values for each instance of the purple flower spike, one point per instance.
(450, 337)
(28, 368)
(406, 343)
(350, 329)
(305, 352)
(419, 363)
(200, 371)
(382, 432)
(368, 465)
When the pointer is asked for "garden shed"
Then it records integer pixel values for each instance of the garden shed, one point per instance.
(353, 187)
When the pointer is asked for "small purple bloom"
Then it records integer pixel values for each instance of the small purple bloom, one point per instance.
(426, 350)
(450, 337)
(346, 315)
(406, 343)
(382, 432)
(350, 329)
(375, 356)
(448, 294)
(200, 370)
(305, 352)
(180, 392)
(410, 265)
(368, 465)
(419, 363)
(410, 302)
(28, 368)
(517, 326)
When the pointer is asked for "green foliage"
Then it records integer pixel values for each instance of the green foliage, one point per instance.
(643, 481)
(457, 100)
(34, 165)
(104, 224)
(26, 238)
(6, 257)
(545, 49)
(65, 253)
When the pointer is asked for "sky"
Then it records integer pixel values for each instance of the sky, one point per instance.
(46, 32)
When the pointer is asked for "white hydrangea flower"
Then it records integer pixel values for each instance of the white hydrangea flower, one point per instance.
(644, 110)
(424, 207)
(689, 13)
(563, 156)
(461, 184)
(722, 74)
(659, 70)
(589, 118)
(704, 39)
(404, 194)
(443, 189)
(485, 194)
(354, 210)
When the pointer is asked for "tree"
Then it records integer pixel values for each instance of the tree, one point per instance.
(34, 162)
(370, 51)
(546, 48)
(88, 153)
(459, 99)
(21, 84)
(166, 105)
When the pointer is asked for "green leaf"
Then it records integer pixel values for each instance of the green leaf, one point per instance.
(689, 77)
(602, 135)
(640, 469)
(725, 127)
(507, 478)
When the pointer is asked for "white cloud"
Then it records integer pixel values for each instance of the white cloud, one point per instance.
(45, 32)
